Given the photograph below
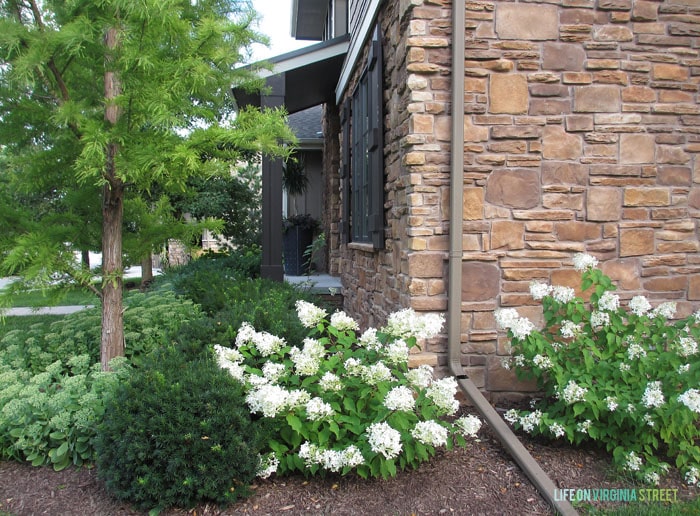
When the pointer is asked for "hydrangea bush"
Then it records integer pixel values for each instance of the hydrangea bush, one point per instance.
(340, 403)
(626, 377)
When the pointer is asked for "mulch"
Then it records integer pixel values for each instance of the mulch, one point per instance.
(478, 479)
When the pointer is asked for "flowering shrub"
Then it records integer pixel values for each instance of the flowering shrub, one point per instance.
(341, 403)
(624, 377)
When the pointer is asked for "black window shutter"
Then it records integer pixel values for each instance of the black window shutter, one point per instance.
(345, 174)
(376, 146)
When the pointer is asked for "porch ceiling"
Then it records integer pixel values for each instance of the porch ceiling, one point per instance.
(310, 75)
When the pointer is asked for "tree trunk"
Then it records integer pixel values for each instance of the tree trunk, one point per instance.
(85, 259)
(146, 271)
(112, 343)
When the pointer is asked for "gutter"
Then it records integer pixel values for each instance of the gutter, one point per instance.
(510, 442)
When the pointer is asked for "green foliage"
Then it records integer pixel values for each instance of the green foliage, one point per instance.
(51, 417)
(341, 404)
(177, 433)
(627, 378)
(149, 320)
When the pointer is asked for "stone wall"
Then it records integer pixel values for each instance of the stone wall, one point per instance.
(581, 134)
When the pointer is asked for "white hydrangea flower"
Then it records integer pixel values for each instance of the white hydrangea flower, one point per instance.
(531, 421)
(563, 294)
(649, 420)
(230, 360)
(512, 416)
(442, 393)
(652, 477)
(246, 333)
(330, 382)
(506, 317)
(267, 465)
(584, 426)
(309, 314)
(573, 393)
(692, 476)
(353, 366)
(522, 328)
(653, 396)
(635, 351)
(684, 368)
(267, 399)
(407, 323)
(267, 344)
(609, 302)
(352, 456)
(297, 398)
(624, 367)
(557, 430)
(569, 329)
(421, 376)
(468, 426)
(631, 408)
(611, 402)
(309, 453)
(305, 364)
(666, 310)
(687, 346)
(396, 352)
(400, 398)
(506, 363)
(519, 360)
(430, 433)
(384, 440)
(253, 380)
(691, 399)
(583, 262)
(273, 371)
(538, 290)
(343, 322)
(376, 373)
(317, 409)
(599, 319)
(369, 340)
(639, 305)
(336, 460)
(542, 361)
(633, 462)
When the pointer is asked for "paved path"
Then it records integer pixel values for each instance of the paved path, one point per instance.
(46, 310)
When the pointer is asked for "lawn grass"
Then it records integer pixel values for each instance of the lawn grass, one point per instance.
(649, 509)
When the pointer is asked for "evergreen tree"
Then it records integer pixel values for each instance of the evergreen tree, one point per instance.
(111, 100)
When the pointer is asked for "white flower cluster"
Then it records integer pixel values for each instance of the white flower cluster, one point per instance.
(230, 360)
(652, 477)
(267, 465)
(396, 352)
(583, 262)
(530, 421)
(343, 322)
(570, 329)
(691, 399)
(430, 433)
(266, 343)
(318, 410)
(272, 371)
(584, 426)
(653, 395)
(649, 420)
(634, 350)
(267, 400)
(332, 460)
(509, 319)
(666, 310)
(309, 314)
(563, 294)
(573, 393)
(406, 323)
(611, 402)
(557, 430)
(542, 361)
(400, 398)
(330, 382)
(308, 360)
(609, 302)
(442, 393)
(684, 368)
(600, 319)
(421, 376)
(639, 305)
(372, 374)
(384, 440)
(539, 290)
(633, 462)
(468, 426)
(692, 476)
(370, 340)
(687, 346)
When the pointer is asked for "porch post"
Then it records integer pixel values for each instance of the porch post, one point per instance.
(272, 193)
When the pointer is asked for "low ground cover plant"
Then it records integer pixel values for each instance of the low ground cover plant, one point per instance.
(624, 376)
(341, 403)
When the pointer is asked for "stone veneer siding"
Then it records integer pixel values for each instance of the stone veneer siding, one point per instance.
(581, 134)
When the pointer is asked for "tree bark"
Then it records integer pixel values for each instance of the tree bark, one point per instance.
(112, 343)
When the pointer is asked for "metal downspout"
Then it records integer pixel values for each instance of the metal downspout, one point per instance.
(454, 304)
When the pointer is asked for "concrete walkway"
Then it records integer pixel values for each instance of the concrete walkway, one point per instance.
(45, 310)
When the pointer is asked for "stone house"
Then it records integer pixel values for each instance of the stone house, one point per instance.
(581, 132)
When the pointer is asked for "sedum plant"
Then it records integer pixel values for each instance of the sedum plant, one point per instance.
(339, 403)
(626, 377)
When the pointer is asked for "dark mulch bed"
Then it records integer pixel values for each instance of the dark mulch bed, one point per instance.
(479, 479)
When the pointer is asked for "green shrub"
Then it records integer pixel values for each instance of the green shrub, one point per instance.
(178, 433)
(341, 404)
(51, 417)
(627, 378)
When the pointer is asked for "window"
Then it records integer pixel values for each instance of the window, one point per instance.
(363, 155)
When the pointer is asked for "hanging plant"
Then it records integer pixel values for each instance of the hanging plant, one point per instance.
(294, 178)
